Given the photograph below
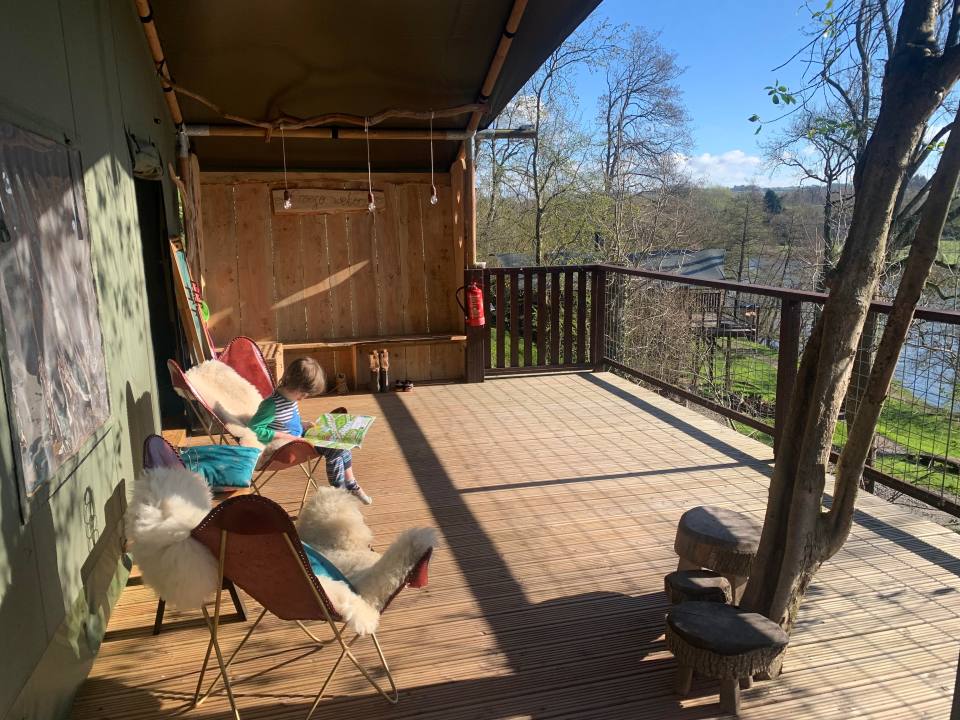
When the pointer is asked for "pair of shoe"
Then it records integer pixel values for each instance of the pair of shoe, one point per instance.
(403, 386)
(379, 371)
(360, 495)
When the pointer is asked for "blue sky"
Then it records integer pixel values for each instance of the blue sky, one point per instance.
(729, 50)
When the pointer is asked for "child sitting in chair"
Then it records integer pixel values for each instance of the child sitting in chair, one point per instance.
(279, 417)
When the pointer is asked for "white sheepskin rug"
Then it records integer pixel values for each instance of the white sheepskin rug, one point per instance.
(333, 525)
(167, 504)
(232, 398)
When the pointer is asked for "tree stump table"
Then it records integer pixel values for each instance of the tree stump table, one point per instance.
(723, 642)
(686, 585)
(721, 540)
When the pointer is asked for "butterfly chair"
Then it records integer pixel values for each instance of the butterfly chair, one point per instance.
(257, 547)
(245, 358)
(157, 453)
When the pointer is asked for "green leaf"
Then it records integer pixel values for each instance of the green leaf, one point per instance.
(753, 118)
(776, 99)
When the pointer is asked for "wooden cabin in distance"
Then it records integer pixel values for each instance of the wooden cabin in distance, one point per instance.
(278, 104)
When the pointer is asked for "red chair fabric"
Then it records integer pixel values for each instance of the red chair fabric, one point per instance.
(258, 558)
(290, 455)
(244, 356)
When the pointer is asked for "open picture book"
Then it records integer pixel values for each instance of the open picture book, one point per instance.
(341, 431)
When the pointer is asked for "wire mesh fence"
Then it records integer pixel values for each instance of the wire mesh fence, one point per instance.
(717, 344)
(721, 346)
(918, 433)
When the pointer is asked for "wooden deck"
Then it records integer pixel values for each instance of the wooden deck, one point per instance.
(546, 598)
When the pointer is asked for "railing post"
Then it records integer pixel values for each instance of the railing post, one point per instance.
(787, 356)
(598, 317)
(473, 360)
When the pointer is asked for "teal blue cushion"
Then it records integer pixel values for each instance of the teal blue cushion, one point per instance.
(323, 568)
(222, 465)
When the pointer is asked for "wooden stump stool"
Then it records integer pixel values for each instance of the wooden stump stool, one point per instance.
(721, 641)
(706, 585)
(718, 539)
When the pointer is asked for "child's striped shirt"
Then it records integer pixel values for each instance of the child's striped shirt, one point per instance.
(276, 414)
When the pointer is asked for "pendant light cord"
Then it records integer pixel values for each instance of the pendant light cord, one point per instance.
(432, 185)
(283, 151)
(366, 133)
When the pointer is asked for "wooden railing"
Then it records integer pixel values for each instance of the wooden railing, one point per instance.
(729, 347)
(539, 318)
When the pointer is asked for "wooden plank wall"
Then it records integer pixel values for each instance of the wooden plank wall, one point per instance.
(303, 278)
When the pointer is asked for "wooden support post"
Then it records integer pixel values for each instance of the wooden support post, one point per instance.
(787, 356)
(473, 372)
(598, 317)
(159, 60)
(499, 57)
(470, 205)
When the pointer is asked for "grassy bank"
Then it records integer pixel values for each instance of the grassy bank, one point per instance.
(907, 425)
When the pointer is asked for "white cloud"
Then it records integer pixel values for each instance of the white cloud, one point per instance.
(733, 167)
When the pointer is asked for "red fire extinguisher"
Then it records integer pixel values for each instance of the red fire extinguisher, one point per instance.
(473, 311)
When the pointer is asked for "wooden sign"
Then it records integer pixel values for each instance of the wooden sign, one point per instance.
(309, 201)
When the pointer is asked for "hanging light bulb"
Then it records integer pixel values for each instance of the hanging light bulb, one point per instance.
(287, 200)
(433, 195)
(371, 203)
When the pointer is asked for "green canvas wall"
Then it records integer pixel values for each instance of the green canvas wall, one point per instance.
(79, 71)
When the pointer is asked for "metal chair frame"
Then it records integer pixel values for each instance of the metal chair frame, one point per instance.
(331, 619)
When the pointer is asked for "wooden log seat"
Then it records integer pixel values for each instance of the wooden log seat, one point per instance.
(689, 585)
(718, 539)
(720, 641)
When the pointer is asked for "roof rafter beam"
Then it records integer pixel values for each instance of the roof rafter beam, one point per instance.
(338, 133)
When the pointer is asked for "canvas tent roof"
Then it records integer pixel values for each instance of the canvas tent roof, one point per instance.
(258, 59)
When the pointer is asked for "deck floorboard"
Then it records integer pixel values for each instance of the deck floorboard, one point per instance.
(546, 597)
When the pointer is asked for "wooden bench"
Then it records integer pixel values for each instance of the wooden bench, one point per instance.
(362, 345)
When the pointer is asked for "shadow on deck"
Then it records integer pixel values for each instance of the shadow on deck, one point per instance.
(557, 512)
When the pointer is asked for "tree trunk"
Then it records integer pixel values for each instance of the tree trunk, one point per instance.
(797, 535)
